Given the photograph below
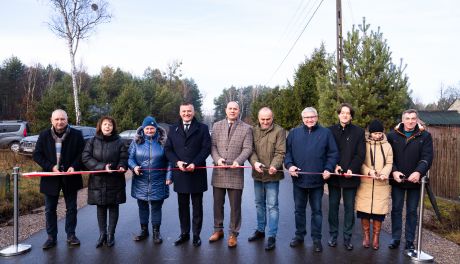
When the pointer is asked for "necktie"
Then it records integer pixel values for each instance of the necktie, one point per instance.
(229, 128)
(186, 128)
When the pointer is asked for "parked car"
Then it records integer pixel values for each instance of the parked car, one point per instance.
(12, 132)
(127, 136)
(27, 145)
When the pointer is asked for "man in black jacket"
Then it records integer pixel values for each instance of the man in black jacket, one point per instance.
(412, 157)
(59, 150)
(188, 146)
(351, 142)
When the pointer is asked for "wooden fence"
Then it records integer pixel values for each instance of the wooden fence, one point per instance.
(445, 171)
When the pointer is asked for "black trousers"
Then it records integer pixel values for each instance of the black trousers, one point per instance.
(102, 218)
(183, 200)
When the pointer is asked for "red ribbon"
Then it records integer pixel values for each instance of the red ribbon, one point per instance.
(51, 174)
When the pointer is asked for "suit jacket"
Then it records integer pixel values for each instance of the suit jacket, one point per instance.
(352, 147)
(193, 147)
(236, 146)
(45, 156)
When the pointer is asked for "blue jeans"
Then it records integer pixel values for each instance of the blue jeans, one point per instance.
(51, 202)
(301, 197)
(412, 199)
(155, 211)
(348, 194)
(266, 197)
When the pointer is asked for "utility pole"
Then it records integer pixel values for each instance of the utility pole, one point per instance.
(339, 44)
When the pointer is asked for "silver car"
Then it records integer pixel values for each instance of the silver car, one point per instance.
(12, 132)
(27, 145)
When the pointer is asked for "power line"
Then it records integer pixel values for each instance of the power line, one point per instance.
(295, 42)
(295, 19)
(351, 12)
(299, 22)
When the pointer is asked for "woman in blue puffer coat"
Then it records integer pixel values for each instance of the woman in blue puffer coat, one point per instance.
(151, 179)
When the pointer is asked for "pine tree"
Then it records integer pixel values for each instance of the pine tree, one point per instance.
(374, 85)
(129, 108)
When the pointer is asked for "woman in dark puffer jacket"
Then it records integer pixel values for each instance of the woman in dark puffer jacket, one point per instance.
(106, 151)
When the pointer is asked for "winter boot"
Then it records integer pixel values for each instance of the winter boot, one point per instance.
(157, 239)
(143, 234)
(377, 225)
(366, 224)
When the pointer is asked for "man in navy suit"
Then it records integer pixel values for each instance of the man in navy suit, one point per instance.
(188, 145)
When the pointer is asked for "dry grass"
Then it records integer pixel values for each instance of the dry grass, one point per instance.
(449, 228)
(29, 188)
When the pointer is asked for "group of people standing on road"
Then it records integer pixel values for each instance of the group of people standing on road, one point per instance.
(363, 171)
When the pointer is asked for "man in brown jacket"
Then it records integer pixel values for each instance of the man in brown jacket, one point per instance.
(267, 158)
(231, 146)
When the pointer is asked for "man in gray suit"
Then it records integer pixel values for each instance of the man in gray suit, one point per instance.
(231, 146)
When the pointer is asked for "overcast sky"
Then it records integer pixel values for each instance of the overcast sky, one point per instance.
(240, 42)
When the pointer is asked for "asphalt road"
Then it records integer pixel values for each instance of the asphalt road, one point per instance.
(128, 251)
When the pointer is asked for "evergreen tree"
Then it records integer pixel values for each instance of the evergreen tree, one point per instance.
(374, 85)
(56, 97)
(129, 108)
(193, 95)
(167, 102)
(11, 88)
(288, 103)
(305, 91)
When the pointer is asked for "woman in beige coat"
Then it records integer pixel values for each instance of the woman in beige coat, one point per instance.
(372, 198)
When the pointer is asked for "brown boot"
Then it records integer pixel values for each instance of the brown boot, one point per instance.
(366, 224)
(377, 225)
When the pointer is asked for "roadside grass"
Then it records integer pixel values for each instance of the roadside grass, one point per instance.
(449, 228)
(30, 197)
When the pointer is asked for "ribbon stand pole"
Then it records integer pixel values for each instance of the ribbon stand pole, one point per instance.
(418, 255)
(15, 249)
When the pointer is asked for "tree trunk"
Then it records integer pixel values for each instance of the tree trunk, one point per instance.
(73, 73)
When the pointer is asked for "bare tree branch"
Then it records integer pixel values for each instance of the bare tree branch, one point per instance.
(73, 21)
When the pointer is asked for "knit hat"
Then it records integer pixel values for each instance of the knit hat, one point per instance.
(149, 121)
(375, 126)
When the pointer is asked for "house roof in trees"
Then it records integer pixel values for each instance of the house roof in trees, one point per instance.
(442, 118)
(455, 105)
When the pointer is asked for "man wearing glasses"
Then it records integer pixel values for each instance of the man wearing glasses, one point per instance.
(351, 142)
(309, 148)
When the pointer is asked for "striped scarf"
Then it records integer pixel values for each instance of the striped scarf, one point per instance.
(58, 143)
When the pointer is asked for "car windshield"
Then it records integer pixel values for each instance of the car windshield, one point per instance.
(125, 134)
(87, 132)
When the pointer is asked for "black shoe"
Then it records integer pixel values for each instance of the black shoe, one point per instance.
(196, 241)
(394, 244)
(143, 234)
(49, 243)
(111, 240)
(184, 237)
(73, 240)
(348, 245)
(317, 246)
(332, 242)
(295, 242)
(157, 239)
(271, 243)
(409, 245)
(256, 236)
(102, 240)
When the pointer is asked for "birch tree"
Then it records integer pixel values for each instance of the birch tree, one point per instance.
(75, 20)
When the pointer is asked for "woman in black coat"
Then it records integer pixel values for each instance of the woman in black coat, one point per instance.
(106, 151)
